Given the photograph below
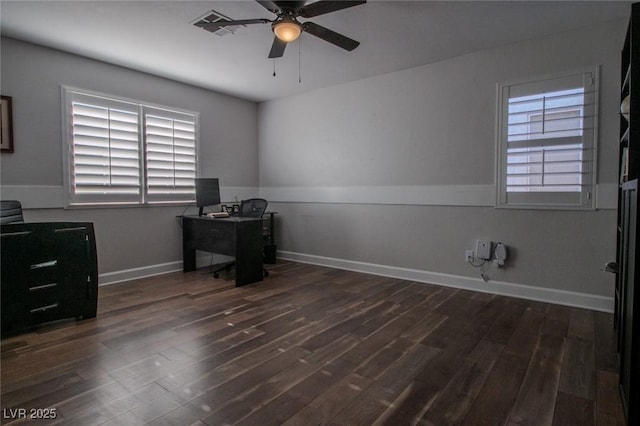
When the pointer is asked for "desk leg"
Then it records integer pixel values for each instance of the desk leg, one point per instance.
(188, 250)
(188, 258)
(272, 230)
(249, 253)
(189, 261)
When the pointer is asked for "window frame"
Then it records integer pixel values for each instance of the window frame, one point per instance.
(548, 200)
(143, 198)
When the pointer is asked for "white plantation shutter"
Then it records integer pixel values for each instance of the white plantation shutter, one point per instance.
(105, 154)
(547, 142)
(170, 155)
(126, 152)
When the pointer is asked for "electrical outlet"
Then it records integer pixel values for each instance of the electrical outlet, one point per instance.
(468, 256)
(483, 249)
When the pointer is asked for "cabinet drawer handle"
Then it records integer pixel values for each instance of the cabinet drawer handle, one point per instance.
(44, 264)
(44, 308)
(42, 287)
(81, 228)
(15, 234)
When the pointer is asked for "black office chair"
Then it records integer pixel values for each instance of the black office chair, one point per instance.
(10, 212)
(253, 207)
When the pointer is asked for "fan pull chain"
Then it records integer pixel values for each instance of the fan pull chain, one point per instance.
(274, 67)
(299, 62)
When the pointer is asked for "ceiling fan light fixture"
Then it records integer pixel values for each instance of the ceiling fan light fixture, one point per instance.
(287, 30)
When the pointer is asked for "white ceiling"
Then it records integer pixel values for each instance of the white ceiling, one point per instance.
(158, 37)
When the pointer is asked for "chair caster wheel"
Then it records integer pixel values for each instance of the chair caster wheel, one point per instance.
(266, 273)
(216, 275)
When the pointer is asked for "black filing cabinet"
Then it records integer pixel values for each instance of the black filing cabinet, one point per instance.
(49, 272)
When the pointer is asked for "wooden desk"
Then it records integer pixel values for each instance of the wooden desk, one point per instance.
(240, 237)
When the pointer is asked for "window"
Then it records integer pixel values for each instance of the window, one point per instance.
(546, 143)
(170, 155)
(121, 151)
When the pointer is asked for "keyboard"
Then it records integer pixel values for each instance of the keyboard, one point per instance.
(218, 214)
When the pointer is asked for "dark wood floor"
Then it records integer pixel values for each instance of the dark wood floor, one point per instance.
(313, 345)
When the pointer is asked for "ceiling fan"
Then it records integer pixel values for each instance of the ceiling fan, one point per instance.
(286, 26)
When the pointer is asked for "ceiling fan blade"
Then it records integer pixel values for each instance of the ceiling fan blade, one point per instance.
(288, 4)
(214, 26)
(331, 36)
(270, 6)
(321, 7)
(277, 48)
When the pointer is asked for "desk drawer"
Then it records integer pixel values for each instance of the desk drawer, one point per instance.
(42, 273)
(216, 236)
(43, 295)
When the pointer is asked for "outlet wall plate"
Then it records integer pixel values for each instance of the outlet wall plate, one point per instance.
(468, 255)
(483, 249)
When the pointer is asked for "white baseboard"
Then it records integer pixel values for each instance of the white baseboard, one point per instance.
(541, 294)
(137, 273)
(152, 270)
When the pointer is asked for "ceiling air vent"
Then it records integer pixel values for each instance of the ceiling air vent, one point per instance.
(214, 16)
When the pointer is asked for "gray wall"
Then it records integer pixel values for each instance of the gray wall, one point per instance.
(399, 169)
(395, 170)
(127, 238)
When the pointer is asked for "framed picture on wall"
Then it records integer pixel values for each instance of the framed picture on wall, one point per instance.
(6, 125)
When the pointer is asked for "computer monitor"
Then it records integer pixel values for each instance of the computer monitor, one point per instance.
(207, 193)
